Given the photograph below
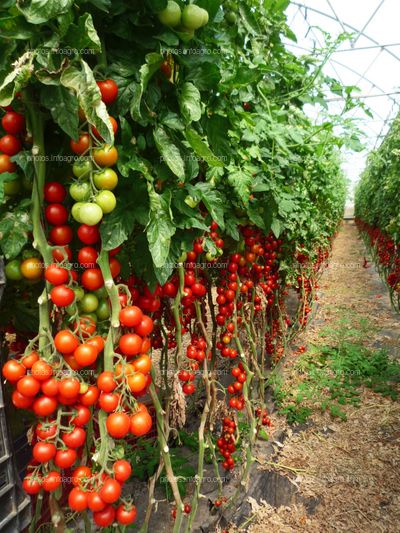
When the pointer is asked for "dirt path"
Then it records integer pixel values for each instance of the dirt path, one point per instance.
(351, 469)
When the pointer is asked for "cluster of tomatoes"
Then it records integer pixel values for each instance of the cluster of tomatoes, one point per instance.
(226, 443)
(95, 179)
(195, 352)
(235, 388)
(13, 124)
(262, 415)
(386, 253)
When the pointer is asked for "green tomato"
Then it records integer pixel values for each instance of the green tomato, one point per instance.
(13, 270)
(71, 309)
(80, 191)
(209, 256)
(30, 252)
(90, 213)
(231, 17)
(103, 310)
(75, 211)
(27, 183)
(193, 17)
(106, 200)
(89, 303)
(79, 293)
(101, 293)
(171, 15)
(11, 188)
(106, 179)
(82, 168)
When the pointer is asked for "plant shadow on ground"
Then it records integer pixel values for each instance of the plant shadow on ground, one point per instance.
(331, 374)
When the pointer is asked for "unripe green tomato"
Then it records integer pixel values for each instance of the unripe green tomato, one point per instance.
(75, 211)
(101, 293)
(231, 17)
(80, 191)
(193, 17)
(107, 179)
(11, 188)
(30, 252)
(79, 293)
(27, 183)
(103, 310)
(82, 168)
(89, 303)
(13, 270)
(90, 213)
(107, 201)
(171, 15)
(210, 256)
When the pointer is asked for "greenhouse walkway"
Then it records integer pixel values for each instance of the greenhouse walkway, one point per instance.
(345, 469)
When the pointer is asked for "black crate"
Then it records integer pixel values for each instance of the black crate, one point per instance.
(8, 510)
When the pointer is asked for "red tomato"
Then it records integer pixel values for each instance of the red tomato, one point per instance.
(126, 514)
(82, 417)
(44, 451)
(92, 279)
(65, 458)
(13, 122)
(29, 359)
(50, 387)
(20, 401)
(44, 406)
(141, 423)
(145, 327)
(86, 354)
(32, 484)
(90, 397)
(115, 267)
(110, 491)
(114, 125)
(86, 325)
(69, 387)
(56, 275)
(98, 342)
(88, 234)
(52, 481)
(61, 235)
(142, 364)
(61, 254)
(106, 382)
(56, 214)
(77, 499)
(75, 438)
(105, 517)
(10, 145)
(130, 344)
(46, 431)
(62, 296)
(41, 370)
(122, 470)
(65, 341)
(137, 382)
(118, 425)
(108, 401)
(109, 91)
(13, 370)
(80, 146)
(6, 165)
(54, 192)
(87, 257)
(131, 316)
(95, 503)
(28, 386)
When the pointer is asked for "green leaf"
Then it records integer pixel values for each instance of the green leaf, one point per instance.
(5, 177)
(16, 79)
(201, 149)
(169, 152)
(217, 132)
(63, 106)
(83, 35)
(190, 102)
(204, 75)
(15, 28)
(212, 199)
(40, 11)
(83, 83)
(276, 227)
(14, 231)
(118, 225)
(152, 65)
(172, 121)
(160, 228)
(103, 5)
(241, 181)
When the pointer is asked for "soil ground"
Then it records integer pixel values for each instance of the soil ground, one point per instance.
(349, 469)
